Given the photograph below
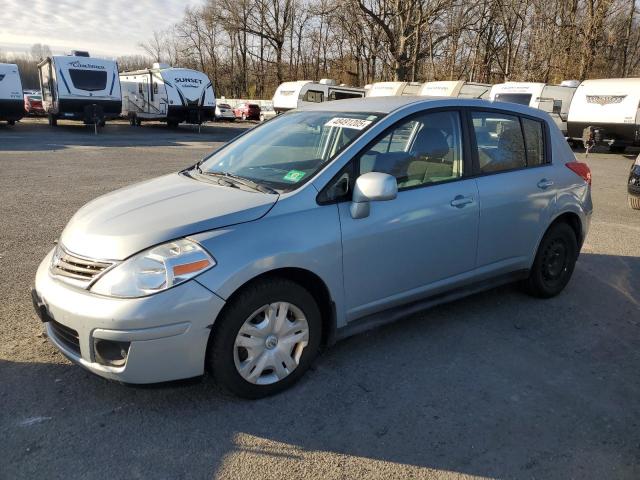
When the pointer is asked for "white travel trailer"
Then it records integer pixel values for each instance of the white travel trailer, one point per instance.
(11, 99)
(172, 95)
(290, 95)
(394, 89)
(455, 88)
(609, 111)
(554, 99)
(79, 87)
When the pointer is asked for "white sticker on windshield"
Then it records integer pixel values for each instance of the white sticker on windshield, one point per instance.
(354, 123)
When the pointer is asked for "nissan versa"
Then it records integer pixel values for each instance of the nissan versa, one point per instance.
(320, 223)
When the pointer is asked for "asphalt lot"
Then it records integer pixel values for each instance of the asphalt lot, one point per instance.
(497, 385)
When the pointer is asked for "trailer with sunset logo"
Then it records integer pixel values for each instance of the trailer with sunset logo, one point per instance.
(163, 93)
(79, 87)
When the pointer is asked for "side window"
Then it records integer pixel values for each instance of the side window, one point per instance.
(313, 96)
(535, 141)
(419, 151)
(500, 142)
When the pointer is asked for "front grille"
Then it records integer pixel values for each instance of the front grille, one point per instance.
(66, 336)
(69, 265)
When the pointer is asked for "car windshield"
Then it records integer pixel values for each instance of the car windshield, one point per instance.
(287, 151)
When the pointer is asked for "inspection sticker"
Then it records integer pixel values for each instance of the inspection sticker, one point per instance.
(294, 176)
(354, 123)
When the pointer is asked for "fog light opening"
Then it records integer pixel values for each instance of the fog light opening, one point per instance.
(113, 354)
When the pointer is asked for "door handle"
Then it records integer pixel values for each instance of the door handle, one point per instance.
(544, 184)
(460, 201)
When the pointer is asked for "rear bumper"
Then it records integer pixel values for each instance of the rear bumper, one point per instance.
(167, 333)
(11, 110)
(190, 114)
(83, 109)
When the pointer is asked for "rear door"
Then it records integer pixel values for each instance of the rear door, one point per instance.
(516, 186)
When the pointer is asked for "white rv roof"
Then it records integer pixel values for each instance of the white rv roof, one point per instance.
(610, 85)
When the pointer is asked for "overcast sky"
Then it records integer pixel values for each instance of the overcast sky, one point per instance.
(103, 27)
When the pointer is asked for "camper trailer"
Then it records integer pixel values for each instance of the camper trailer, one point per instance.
(172, 95)
(455, 88)
(290, 95)
(79, 87)
(554, 99)
(606, 112)
(394, 89)
(11, 99)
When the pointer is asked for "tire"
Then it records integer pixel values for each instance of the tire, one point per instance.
(554, 263)
(634, 202)
(11, 123)
(617, 148)
(102, 123)
(225, 358)
(53, 121)
(132, 120)
(172, 124)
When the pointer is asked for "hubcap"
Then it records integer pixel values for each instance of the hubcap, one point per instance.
(270, 342)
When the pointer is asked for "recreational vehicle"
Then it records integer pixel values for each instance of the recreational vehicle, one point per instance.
(172, 95)
(455, 88)
(553, 99)
(290, 95)
(606, 112)
(79, 87)
(11, 99)
(394, 89)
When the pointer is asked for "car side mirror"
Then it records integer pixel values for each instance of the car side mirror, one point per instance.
(372, 187)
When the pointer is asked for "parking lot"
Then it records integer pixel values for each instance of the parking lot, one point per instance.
(497, 385)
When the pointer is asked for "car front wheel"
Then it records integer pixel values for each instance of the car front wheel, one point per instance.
(554, 262)
(265, 339)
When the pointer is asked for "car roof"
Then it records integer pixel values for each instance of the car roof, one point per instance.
(389, 104)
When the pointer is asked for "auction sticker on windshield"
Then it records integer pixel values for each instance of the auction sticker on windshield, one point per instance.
(294, 176)
(354, 123)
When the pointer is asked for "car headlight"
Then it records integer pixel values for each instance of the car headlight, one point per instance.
(154, 270)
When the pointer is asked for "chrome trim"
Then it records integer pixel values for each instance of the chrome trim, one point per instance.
(76, 269)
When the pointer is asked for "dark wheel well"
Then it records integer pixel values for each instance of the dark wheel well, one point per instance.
(314, 285)
(573, 221)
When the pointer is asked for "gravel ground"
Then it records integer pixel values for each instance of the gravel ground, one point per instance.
(497, 385)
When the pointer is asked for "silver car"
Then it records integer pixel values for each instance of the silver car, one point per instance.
(321, 223)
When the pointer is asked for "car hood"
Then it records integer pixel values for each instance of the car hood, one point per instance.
(126, 221)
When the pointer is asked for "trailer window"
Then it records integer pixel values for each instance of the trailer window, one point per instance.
(343, 95)
(140, 91)
(519, 98)
(89, 80)
(314, 96)
(155, 87)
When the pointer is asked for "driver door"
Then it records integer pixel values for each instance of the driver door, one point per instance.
(409, 246)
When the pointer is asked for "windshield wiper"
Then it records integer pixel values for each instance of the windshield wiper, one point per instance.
(238, 179)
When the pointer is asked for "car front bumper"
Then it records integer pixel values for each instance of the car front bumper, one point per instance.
(166, 333)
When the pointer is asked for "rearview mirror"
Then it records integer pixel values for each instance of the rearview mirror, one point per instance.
(372, 187)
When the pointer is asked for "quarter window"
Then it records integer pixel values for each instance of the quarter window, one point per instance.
(500, 142)
(422, 150)
(535, 141)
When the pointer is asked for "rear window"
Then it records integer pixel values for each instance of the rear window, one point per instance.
(90, 80)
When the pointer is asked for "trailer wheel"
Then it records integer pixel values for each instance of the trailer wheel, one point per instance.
(11, 122)
(172, 124)
(617, 148)
(53, 121)
(102, 123)
(137, 121)
(132, 120)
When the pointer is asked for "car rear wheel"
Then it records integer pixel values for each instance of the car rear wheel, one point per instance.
(554, 262)
(265, 339)
(634, 202)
